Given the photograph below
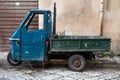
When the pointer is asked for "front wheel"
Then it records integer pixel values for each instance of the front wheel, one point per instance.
(76, 62)
(11, 61)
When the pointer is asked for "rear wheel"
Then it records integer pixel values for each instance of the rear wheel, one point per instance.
(76, 62)
(11, 61)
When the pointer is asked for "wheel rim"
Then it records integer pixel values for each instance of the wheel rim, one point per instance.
(76, 63)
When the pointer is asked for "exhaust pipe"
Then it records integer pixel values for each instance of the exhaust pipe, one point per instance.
(54, 20)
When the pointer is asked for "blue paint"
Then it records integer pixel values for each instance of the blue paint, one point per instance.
(30, 45)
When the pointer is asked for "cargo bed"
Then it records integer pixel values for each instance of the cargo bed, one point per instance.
(80, 43)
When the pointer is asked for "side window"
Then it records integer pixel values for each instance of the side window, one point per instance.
(41, 21)
(34, 22)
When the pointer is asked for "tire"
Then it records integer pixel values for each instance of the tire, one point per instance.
(76, 62)
(11, 61)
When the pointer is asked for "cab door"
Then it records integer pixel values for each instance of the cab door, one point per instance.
(32, 45)
(32, 41)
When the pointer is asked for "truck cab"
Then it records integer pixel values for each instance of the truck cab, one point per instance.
(29, 45)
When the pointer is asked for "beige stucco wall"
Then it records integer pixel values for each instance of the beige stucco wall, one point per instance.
(111, 25)
(82, 17)
(75, 17)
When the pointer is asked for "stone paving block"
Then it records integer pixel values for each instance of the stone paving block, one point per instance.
(66, 73)
(92, 78)
(50, 77)
(117, 72)
(93, 73)
(4, 79)
(39, 74)
(80, 76)
(118, 78)
(108, 76)
(101, 79)
(55, 70)
(65, 78)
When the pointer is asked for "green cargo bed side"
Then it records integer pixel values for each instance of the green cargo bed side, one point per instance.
(80, 43)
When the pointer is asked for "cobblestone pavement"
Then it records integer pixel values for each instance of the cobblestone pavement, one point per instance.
(93, 71)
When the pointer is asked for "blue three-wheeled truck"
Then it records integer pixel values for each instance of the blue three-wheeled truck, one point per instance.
(44, 44)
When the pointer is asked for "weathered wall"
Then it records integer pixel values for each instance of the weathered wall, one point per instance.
(111, 25)
(76, 17)
(82, 17)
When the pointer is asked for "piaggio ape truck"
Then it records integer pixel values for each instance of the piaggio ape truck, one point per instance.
(44, 44)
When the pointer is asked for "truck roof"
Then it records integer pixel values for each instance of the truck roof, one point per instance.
(38, 11)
